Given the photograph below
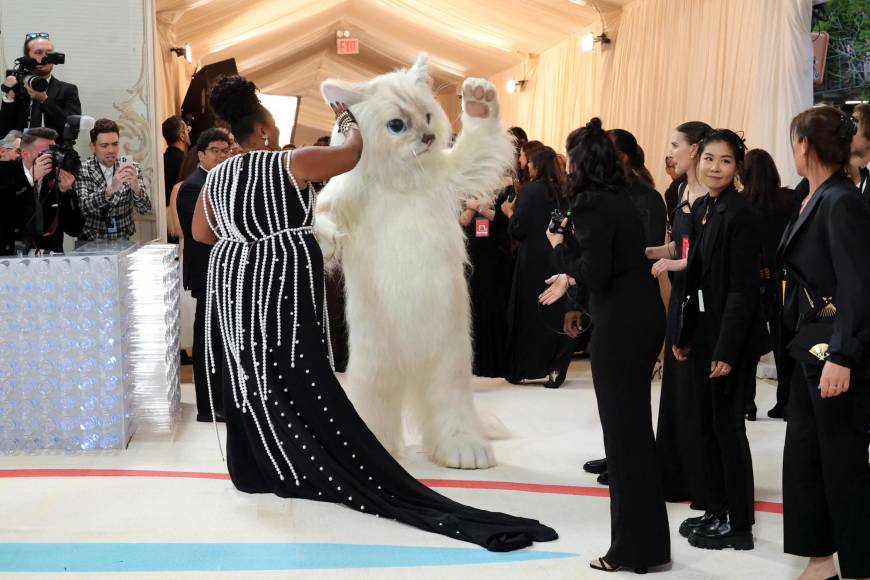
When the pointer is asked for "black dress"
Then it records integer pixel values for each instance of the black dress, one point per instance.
(825, 472)
(607, 257)
(488, 272)
(291, 430)
(678, 449)
(535, 347)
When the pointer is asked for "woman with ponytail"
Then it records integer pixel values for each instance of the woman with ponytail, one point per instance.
(602, 253)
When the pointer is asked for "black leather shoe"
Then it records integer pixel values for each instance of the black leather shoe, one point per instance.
(778, 412)
(691, 524)
(720, 536)
(751, 412)
(603, 479)
(555, 379)
(186, 359)
(595, 466)
(219, 417)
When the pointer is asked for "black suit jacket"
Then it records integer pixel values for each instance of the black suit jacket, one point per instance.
(826, 248)
(36, 221)
(725, 263)
(63, 101)
(196, 254)
(652, 209)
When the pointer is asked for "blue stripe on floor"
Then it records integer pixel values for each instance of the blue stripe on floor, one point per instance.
(233, 557)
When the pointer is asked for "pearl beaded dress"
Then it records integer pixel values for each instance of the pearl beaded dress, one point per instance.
(291, 430)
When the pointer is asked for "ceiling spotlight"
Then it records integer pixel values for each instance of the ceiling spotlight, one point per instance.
(183, 51)
(514, 86)
(342, 33)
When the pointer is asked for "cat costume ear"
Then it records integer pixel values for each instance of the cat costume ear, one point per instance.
(421, 69)
(335, 91)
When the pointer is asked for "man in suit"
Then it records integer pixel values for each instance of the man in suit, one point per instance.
(22, 110)
(37, 200)
(213, 147)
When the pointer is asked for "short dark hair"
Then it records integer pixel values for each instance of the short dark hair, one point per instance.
(828, 132)
(519, 135)
(210, 136)
(104, 126)
(730, 138)
(31, 135)
(234, 100)
(695, 131)
(172, 128)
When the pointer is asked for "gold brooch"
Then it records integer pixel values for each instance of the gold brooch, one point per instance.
(820, 351)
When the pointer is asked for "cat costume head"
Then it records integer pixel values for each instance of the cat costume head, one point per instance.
(400, 119)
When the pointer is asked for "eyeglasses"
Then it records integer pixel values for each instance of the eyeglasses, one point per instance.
(219, 151)
(32, 35)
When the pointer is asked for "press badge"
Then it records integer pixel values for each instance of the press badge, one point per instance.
(481, 228)
(701, 301)
(685, 248)
(113, 226)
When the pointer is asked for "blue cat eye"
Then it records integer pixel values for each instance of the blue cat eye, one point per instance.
(396, 126)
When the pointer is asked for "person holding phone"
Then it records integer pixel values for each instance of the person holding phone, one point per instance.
(109, 188)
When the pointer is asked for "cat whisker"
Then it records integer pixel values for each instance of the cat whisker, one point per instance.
(418, 161)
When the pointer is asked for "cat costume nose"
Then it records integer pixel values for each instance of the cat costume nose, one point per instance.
(428, 138)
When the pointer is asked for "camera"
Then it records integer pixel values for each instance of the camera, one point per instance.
(556, 219)
(25, 73)
(63, 154)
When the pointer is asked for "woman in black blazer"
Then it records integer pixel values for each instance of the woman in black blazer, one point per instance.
(823, 253)
(606, 258)
(722, 334)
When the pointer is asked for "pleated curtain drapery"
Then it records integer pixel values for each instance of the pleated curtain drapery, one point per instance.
(741, 64)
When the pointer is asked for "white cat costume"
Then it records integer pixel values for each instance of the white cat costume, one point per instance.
(392, 223)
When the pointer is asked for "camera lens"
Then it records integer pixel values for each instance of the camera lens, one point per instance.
(37, 84)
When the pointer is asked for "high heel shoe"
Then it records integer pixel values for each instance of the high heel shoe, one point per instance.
(751, 412)
(603, 565)
(556, 378)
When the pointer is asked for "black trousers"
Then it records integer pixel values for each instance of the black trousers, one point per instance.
(727, 481)
(826, 475)
(200, 381)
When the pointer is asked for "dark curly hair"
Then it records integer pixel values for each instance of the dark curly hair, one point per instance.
(595, 163)
(234, 99)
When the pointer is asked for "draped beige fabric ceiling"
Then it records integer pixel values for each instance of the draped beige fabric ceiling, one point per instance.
(288, 46)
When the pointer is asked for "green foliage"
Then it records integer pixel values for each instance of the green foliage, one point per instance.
(848, 24)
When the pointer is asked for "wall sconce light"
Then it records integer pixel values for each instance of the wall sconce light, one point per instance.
(515, 86)
(588, 40)
(184, 51)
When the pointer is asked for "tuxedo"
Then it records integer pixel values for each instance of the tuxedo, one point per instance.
(22, 113)
(34, 216)
(194, 277)
(826, 477)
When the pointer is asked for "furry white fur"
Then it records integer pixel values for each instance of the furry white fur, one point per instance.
(392, 223)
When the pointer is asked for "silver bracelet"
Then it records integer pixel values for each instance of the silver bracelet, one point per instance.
(346, 122)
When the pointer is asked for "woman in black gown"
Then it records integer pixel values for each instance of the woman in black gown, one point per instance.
(488, 275)
(679, 451)
(536, 346)
(606, 258)
(291, 430)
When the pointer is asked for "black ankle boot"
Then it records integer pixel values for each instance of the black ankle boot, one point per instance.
(691, 524)
(555, 379)
(718, 536)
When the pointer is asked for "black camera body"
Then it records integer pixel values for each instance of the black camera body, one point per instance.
(63, 154)
(556, 219)
(25, 73)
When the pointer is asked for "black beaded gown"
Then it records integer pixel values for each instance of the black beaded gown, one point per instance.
(291, 430)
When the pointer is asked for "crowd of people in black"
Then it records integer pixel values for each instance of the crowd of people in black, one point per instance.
(752, 266)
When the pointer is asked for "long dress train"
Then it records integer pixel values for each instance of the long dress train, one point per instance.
(291, 430)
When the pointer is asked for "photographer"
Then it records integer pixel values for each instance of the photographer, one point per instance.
(24, 107)
(110, 187)
(38, 200)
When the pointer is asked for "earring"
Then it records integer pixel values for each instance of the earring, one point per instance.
(266, 140)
